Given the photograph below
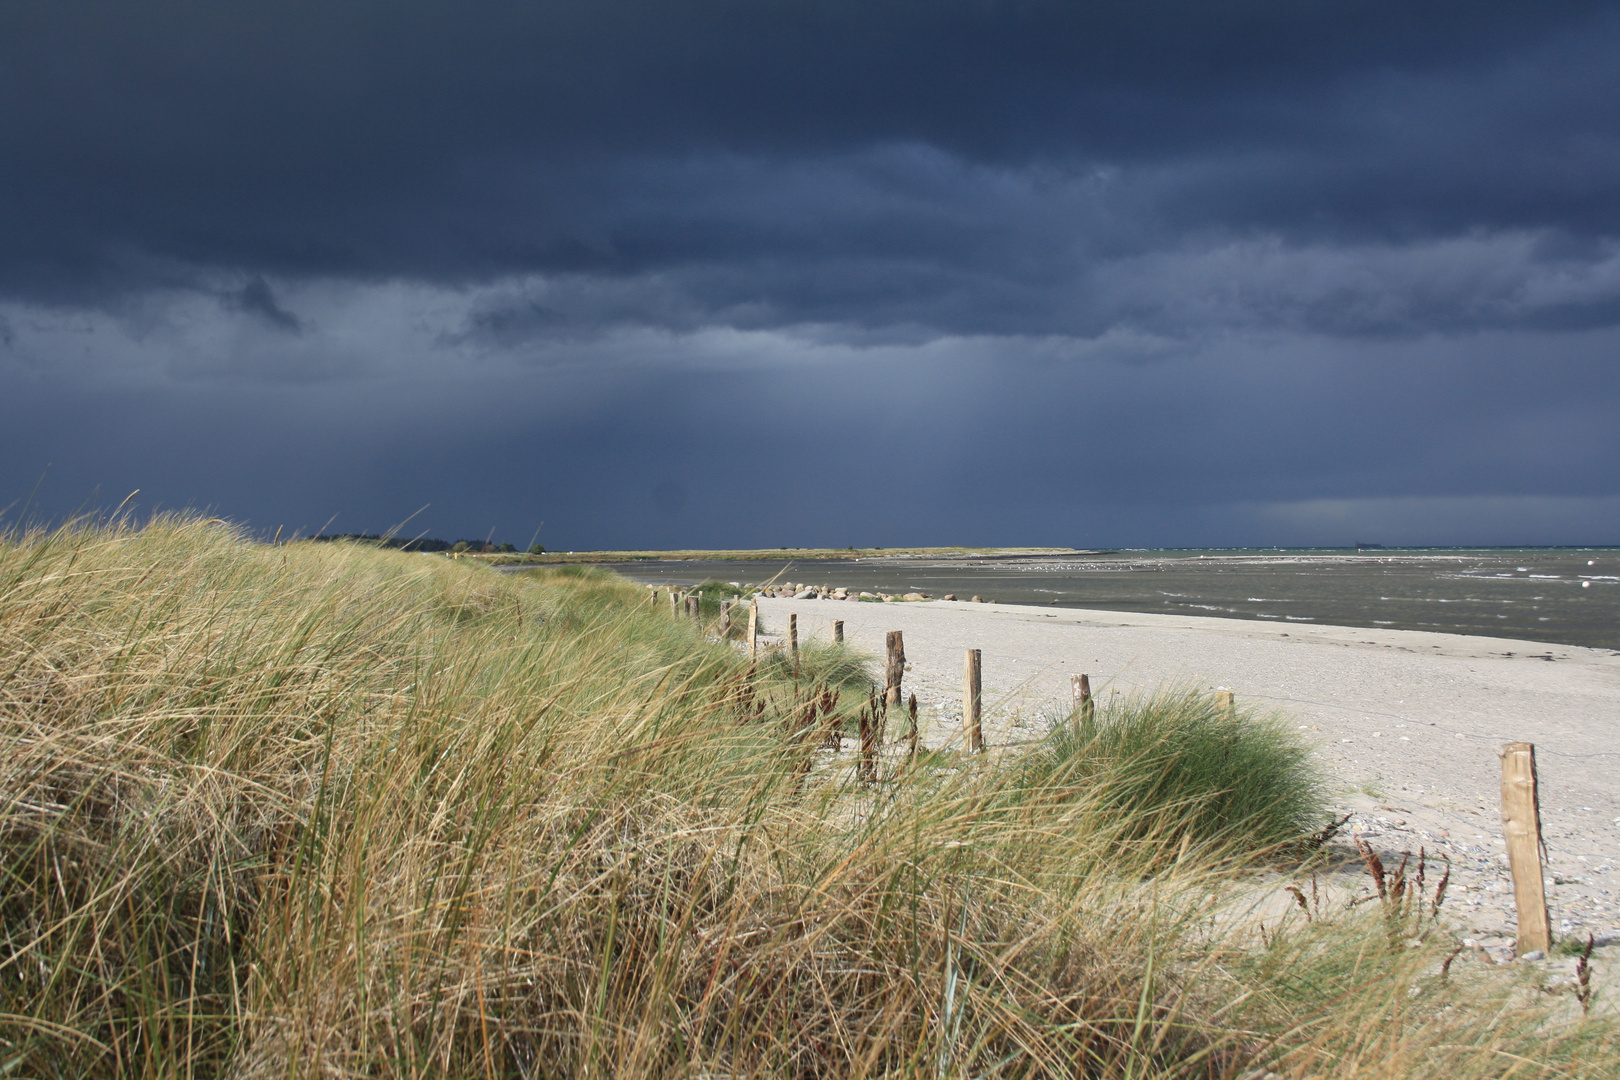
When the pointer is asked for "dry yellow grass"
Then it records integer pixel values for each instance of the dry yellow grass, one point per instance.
(324, 810)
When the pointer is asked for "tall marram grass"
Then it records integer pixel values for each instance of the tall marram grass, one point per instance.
(324, 810)
(1178, 763)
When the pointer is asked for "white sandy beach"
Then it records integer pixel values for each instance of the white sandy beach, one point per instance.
(1407, 723)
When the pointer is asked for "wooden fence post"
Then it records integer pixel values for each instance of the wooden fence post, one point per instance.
(753, 629)
(1226, 701)
(1521, 823)
(1084, 707)
(838, 631)
(793, 634)
(675, 600)
(972, 731)
(654, 603)
(694, 606)
(725, 618)
(895, 670)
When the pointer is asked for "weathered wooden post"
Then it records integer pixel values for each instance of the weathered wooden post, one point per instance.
(654, 603)
(793, 635)
(895, 670)
(725, 618)
(1084, 707)
(838, 631)
(972, 732)
(753, 629)
(1521, 823)
(1226, 701)
(675, 600)
(694, 606)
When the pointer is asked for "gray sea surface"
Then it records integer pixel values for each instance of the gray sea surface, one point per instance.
(1566, 596)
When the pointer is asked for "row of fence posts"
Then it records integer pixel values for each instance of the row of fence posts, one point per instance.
(692, 605)
(1521, 805)
(894, 668)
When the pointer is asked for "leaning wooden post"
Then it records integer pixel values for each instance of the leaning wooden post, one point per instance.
(753, 629)
(972, 732)
(895, 670)
(838, 631)
(725, 618)
(793, 635)
(1521, 822)
(1080, 686)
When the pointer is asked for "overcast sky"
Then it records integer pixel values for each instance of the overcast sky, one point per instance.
(761, 272)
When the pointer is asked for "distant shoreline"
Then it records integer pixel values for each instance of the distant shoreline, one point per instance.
(552, 558)
(993, 554)
(1564, 596)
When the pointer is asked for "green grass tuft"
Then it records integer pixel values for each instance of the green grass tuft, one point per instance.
(1178, 763)
(818, 662)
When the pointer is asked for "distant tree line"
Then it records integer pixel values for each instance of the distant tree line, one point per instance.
(482, 547)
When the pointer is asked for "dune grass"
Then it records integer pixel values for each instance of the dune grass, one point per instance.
(326, 810)
(1178, 762)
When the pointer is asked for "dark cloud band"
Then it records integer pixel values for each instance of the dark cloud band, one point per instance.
(1170, 266)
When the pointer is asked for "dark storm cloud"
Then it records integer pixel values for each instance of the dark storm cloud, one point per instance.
(667, 274)
(1290, 443)
(457, 142)
(257, 298)
(1200, 287)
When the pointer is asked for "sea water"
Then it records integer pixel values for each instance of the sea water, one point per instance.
(1568, 596)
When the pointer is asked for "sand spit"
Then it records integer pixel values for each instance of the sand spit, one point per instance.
(1406, 722)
